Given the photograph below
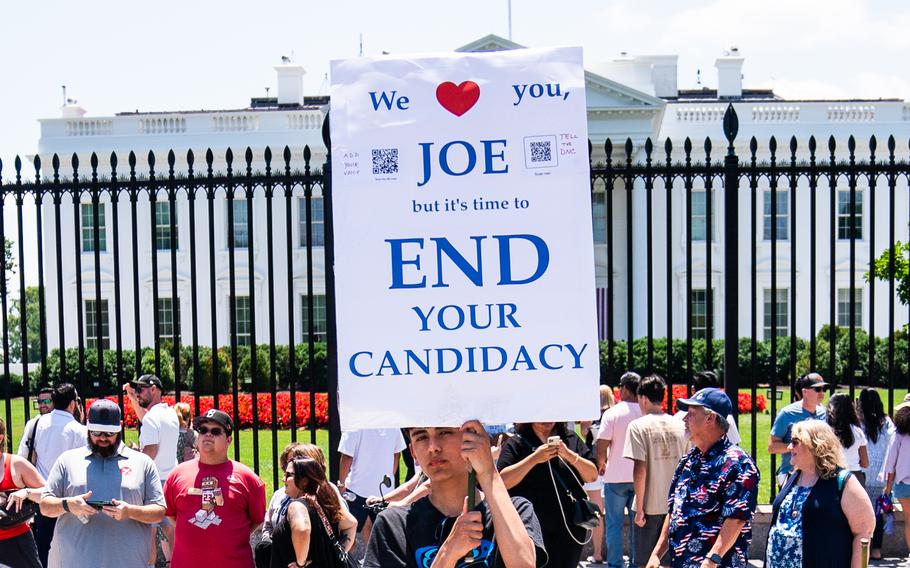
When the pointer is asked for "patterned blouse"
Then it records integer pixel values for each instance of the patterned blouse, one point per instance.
(785, 541)
(707, 489)
(877, 452)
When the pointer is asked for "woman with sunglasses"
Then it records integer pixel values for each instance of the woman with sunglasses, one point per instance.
(20, 481)
(301, 537)
(822, 512)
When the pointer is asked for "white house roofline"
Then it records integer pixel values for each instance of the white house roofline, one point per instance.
(636, 100)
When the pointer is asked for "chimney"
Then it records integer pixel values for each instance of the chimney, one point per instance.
(730, 75)
(663, 75)
(72, 110)
(290, 84)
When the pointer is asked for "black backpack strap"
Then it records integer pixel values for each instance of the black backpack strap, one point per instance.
(842, 477)
(31, 440)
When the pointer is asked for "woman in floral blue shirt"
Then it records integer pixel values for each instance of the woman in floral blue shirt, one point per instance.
(822, 511)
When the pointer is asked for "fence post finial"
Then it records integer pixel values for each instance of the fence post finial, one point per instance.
(731, 127)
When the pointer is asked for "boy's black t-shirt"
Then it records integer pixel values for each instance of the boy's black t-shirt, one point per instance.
(410, 537)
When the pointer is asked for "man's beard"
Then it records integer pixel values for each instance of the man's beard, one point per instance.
(105, 451)
(144, 403)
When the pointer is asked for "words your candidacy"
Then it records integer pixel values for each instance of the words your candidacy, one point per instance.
(410, 260)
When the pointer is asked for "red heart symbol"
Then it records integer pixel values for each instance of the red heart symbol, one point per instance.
(457, 99)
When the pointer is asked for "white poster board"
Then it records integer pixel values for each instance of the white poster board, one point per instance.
(464, 256)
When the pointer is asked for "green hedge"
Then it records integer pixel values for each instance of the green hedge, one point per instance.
(105, 382)
(877, 376)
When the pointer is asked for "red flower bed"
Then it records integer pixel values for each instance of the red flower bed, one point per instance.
(245, 408)
(744, 403)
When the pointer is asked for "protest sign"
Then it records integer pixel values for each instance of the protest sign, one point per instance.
(464, 258)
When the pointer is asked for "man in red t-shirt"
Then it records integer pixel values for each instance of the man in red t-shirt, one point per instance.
(215, 503)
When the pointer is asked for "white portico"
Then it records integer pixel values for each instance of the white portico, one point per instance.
(633, 97)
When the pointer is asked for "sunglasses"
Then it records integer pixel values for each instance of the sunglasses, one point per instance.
(818, 389)
(203, 430)
(288, 474)
(45, 401)
(103, 434)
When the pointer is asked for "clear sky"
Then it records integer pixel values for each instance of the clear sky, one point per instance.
(166, 55)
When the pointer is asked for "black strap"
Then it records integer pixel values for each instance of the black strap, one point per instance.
(322, 517)
(31, 440)
(842, 477)
(556, 471)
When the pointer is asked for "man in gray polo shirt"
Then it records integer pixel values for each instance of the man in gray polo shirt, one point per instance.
(105, 496)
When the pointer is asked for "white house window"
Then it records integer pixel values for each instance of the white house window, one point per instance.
(318, 222)
(782, 316)
(168, 319)
(699, 301)
(242, 320)
(849, 220)
(163, 226)
(91, 326)
(241, 227)
(782, 218)
(88, 228)
(843, 307)
(700, 216)
(599, 216)
(320, 326)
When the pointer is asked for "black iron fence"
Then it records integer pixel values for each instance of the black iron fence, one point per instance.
(100, 240)
(250, 243)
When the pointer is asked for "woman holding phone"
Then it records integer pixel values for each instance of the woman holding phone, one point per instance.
(545, 463)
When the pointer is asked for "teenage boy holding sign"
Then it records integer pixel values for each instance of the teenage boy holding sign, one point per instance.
(439, 530)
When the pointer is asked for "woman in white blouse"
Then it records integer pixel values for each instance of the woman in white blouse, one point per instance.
(843, 420)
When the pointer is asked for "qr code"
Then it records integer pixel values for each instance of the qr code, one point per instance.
(541, 151)
(385, 161)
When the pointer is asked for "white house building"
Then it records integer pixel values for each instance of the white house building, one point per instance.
(632, 97)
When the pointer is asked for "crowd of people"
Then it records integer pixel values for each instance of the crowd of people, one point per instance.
(76, 495)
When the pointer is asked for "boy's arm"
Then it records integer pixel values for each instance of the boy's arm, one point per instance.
(639, 478)
(515, 545)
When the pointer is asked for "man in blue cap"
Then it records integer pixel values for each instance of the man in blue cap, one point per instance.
(713, 494)
(105, 496)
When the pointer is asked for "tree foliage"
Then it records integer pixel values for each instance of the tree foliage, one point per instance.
(32, 326)
(901, 272)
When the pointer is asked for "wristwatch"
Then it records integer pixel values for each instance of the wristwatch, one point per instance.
(716, 558)
(66, 507)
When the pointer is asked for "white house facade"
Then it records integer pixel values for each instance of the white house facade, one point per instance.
(633, 98)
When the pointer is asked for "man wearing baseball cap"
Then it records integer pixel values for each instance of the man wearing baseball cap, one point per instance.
(713, 493)
(102, 493)
(158, 440)
(214, 502)
(810, 389)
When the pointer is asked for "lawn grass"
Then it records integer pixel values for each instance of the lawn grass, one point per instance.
(268, 452)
